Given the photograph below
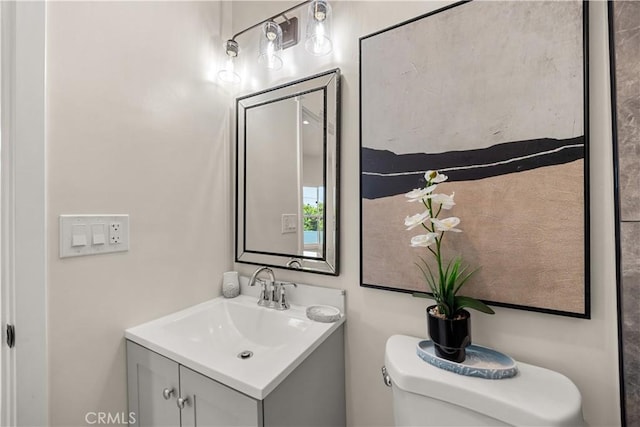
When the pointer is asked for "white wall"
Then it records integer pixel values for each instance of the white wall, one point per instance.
(133, 126)
(584, 350)
(24, 399)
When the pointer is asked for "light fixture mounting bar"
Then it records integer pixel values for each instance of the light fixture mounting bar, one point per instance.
(271, 18)
(289, 32)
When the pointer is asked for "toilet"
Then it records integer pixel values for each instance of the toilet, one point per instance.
(424, 395)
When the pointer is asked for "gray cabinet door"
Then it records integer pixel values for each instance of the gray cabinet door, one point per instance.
(148, 375)
(213, 404)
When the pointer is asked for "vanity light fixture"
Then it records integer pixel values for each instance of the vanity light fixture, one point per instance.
(271, 46)
(278, 36)
(228, 73)
(318, 40)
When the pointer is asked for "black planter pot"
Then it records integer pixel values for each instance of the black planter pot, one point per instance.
(450, 337)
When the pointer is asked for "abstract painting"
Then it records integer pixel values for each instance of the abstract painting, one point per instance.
(492, 94)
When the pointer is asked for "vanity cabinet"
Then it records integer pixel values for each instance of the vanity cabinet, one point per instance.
(149, 377)
(214, 404)
(155, 385)
(311, 395)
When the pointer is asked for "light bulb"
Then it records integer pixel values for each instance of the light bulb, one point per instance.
(231, 48)
(318, 39)
(271, 46)
(320, 11)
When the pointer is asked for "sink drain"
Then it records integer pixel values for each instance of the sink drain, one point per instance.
(245, 354)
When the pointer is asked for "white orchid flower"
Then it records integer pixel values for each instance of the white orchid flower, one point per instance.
(446, 280)
(447, 224)
(423, 240)
(419, 193)
(435, 177)
(412, 222)
(444, 200)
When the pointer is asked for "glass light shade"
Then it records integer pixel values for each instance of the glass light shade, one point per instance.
(318, 39)
(228, 73)
(271, 46)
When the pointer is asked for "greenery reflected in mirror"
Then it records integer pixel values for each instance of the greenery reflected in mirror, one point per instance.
(313, 220)
(287, 153)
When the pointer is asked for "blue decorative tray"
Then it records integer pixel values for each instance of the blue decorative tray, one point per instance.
(480, 362)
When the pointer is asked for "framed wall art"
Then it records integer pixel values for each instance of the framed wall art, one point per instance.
(494, 95)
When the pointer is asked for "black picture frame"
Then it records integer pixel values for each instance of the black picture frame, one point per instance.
(586, 312)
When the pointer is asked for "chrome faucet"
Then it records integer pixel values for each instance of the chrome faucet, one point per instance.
(266, 294)
(272, 294)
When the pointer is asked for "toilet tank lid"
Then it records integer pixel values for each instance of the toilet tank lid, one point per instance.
(535, 396)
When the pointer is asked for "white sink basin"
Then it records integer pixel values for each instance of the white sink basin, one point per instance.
(209, 337)
(230, 326)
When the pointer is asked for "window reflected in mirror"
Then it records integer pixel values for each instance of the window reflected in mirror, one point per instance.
(313, 220)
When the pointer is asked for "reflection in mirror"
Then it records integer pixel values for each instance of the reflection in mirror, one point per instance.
(287, 147)
(284, 187)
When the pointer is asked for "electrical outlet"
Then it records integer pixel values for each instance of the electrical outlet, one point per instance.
(115, 233)
(93, 234)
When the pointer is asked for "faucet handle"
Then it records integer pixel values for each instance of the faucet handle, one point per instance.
(265, 299)
(280, 294)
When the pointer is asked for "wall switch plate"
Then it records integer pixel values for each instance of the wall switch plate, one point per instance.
(289, 223)
(93, 234)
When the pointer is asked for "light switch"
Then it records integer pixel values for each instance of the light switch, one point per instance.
(289, 223)
(90, 234)
(79, 235)
(97, 233)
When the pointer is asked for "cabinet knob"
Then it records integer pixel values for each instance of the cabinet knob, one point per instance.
(167, 392)
(182, 401)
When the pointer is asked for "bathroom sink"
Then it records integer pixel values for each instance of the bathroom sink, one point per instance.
(236, 342)
(229, 326)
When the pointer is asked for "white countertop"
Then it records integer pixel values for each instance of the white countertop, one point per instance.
(208, 337)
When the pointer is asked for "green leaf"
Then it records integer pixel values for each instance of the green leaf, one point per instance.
(444, 309)
(426, 278)
(421, 295)
(468, 302)
(464, 279)
(430, 279)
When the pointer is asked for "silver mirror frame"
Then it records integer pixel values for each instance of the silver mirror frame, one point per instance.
(329, 82)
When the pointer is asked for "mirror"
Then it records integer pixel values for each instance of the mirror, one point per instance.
(287, 175)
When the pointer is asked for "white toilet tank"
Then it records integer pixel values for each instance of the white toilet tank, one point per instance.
(424, 395)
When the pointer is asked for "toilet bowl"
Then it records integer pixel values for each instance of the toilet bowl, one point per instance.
(424, 395)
